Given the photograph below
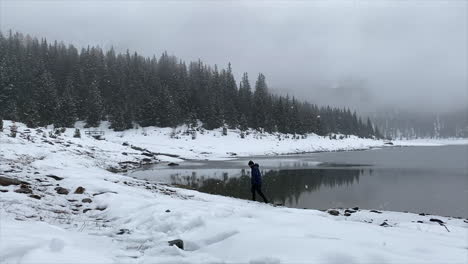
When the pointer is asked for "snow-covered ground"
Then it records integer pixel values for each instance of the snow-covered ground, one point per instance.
(114, 218)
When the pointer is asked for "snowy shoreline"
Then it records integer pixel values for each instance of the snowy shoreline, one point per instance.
(117, 219)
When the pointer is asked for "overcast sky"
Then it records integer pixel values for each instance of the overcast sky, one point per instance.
(401, 53)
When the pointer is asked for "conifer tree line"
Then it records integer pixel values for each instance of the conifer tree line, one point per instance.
(45, 83)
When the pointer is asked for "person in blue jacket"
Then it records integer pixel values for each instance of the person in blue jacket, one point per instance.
(256, 181)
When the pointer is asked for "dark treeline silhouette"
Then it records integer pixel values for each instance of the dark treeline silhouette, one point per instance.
(45, 83)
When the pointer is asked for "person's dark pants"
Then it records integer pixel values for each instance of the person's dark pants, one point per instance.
(258, 188)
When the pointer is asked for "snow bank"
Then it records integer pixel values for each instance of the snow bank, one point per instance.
(113, 218)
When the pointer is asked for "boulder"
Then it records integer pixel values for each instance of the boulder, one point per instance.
(178, 243)
(80, 190)
(24, 189)
(61, 190)
(172, 164)
(374, 211)
(437, 221)
(333, 212)
(349, 211)
(101, 208)
(347, 214)
(4, 181)
(35, 196)
(123, 231)
(168, 211)
(86, 200)
(137, 148)
(55, 177)
(86, 210)
(384, 224)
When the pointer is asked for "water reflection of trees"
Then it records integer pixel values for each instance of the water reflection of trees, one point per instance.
(283, 186)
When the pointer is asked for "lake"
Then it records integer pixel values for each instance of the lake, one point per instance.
(416, 179)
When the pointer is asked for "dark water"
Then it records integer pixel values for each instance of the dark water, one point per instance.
(416, 179)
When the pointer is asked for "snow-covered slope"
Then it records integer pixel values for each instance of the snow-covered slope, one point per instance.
(113, 218)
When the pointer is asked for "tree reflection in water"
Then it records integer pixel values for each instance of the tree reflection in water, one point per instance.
(280, 186)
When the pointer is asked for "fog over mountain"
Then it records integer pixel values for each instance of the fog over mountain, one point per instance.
(365, 54)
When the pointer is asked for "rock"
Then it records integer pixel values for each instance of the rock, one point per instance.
(422, 214)
(80, 190)
(125, 144)
(137, 148)
(72, 200)
(35, 196)
(147, 154)
(437, 221)
(3, 190)
(113, 170)
(347, 214)
(349, 211)
(355, 208)
(146, 160)
(86, 210)
(178, 243)
(23, 189)
(172, 164)
(101, 208)
(123, 231)
(55, 177)
(384, 224)
(375, 211)
(86, 200)
(4, 181)
(168, 211)
(124, 153)
(334, 212)
(61, 190)
(419, 221)
(99, 193)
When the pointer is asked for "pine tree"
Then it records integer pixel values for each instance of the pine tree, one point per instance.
(45, 96)
(167, 111)
(7, 94)
(29, 114)
(369, 129)
(260, 102)
(94, 106)
(117, 119)
(66, 110)
(243, 125)
(147, 112)
(230, 102)
(245, 100)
